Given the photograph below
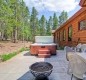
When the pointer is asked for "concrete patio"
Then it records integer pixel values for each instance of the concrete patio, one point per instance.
(17, 68)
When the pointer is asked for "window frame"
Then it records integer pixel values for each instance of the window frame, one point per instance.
(64, 35)
(69, 33)
(79, 25)
(59, 36)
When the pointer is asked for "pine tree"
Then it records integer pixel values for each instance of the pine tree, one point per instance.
(33, 22)
(42, 25)
(48, 29)
(14, 16)
(51, 22)
(49, 26)
(55, 21)
(37, 27)
(63, 17)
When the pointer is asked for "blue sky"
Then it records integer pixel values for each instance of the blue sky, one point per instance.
(48, 7)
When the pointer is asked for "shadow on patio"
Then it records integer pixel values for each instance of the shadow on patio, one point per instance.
(60, 66)
(27, 54)
(27, 76)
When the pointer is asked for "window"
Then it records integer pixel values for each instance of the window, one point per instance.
(57, 37)
(82, 25)
(70, 33)
(64, 35)
(61, 35)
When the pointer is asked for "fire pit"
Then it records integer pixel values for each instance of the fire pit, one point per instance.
(41, 70)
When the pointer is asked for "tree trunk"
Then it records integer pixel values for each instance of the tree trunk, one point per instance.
(2, 36)
(14, 34)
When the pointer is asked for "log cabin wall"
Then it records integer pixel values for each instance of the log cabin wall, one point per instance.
(70, 33)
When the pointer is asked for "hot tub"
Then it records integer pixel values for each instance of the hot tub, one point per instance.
(42, 43)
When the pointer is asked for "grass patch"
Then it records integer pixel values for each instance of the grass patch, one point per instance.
(6, 57)
(23, 49)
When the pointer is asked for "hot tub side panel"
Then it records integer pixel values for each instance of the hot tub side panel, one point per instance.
(34, 50)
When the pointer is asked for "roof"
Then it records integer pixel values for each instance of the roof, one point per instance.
(72, 18)
(82, 3)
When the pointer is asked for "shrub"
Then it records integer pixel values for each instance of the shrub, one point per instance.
(8, 56)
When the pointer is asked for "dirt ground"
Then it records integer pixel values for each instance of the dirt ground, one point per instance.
(8, 47)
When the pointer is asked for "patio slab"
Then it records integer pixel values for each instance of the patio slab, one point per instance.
(17, 68)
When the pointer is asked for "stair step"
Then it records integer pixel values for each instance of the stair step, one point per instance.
(44, 55)
(45, 51)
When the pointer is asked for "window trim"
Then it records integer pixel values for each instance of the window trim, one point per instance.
(79, 25)
(64, 37)
(59, 36)
(68, 32)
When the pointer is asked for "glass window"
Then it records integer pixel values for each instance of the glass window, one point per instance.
(61, 35)
(70, 33)
(57, 37)
(82, 25)
(64, 35)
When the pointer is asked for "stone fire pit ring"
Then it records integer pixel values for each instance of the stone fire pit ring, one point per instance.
(41, 69)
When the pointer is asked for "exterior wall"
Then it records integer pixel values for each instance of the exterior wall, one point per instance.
(78, 36)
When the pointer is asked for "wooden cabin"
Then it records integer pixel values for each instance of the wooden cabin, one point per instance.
(73, 31)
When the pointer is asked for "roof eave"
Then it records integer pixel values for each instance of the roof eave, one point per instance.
(71, 18)
(82, 3)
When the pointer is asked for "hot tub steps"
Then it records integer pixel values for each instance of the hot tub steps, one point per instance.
(44, 55)
(44, 51)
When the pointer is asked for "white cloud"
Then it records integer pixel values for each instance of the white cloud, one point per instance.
(52, 5)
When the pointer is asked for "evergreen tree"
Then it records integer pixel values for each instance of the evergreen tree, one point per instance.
(4, 13)
(51, 22)
(48, 29)
(33, 22)
(42, 25)
(49, 26)
(26, 24)
(12, 14)
(16, 23)
(55, 21)
(37, 27)
(63, 17)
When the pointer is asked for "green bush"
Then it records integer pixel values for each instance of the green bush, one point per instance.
(10, 55)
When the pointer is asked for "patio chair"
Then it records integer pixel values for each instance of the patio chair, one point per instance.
(77, 66)
(83, 48)
(78, 47)
(68, 49)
